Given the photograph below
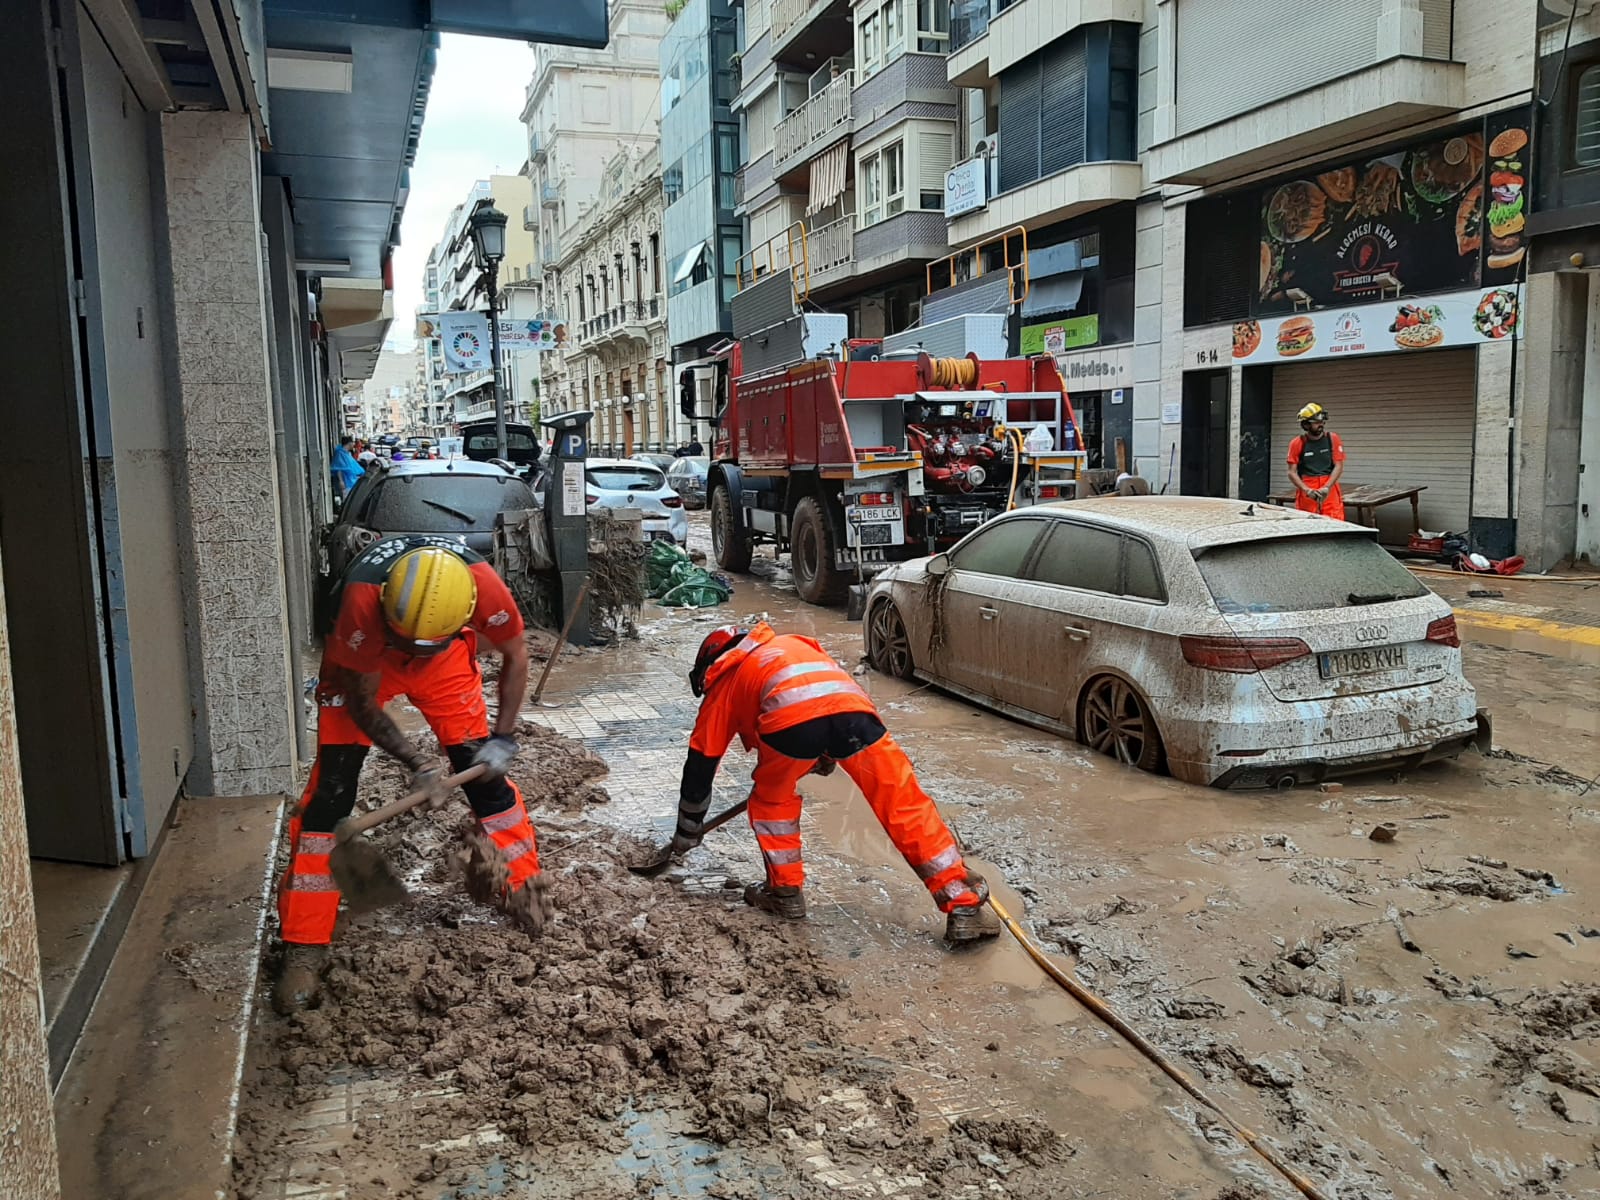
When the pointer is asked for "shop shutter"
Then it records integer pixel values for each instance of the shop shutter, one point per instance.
(1064, 90)
(1221, 257)
(1019, 124)
(1405, 419)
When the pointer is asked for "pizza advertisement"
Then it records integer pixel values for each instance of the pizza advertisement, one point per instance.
(1466, 318)
(1441, 215)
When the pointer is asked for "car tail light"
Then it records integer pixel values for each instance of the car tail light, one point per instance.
(1444, 632)
(1241, 655)
(593, 497)
(672, 501)
(875, 498)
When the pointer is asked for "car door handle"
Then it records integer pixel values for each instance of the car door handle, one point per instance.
(989, 614)
(1075, 633)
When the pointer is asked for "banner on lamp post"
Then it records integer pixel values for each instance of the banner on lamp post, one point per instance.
(465, 339)
(536, 333)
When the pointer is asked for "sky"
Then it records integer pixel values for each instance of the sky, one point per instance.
(473, 128)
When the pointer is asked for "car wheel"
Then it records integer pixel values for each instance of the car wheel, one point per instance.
(1114, 720)
(811, 555)
(732, 548)
(888, 644)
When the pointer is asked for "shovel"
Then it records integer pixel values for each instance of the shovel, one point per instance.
(663, 860)
(359, 868)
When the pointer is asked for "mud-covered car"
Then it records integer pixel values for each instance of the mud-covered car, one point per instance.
(1231, 643)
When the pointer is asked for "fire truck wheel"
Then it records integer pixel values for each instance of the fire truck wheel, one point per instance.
(811, 555)
(732, 548)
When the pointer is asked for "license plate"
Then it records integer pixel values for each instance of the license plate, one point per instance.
(867, 513)
(1362, 662)
(877, 535)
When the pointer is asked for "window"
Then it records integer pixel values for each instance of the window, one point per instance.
(731, 247)
(881, 34)
(998, 549)
(933, 26)
(453, 504)
(1140, 577)
(1303, 574)
(882, 183)
(1586, 118)
(655, 261)
(1080, 556)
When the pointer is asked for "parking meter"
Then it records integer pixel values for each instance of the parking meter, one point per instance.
(566, 510)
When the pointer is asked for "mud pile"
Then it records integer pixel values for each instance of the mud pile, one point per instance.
(637, 996)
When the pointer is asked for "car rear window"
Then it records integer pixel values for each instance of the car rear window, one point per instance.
(516, 439)
(446, 503)
(1304, 574)
(630, 478)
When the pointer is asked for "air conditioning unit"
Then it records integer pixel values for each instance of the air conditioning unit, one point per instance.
(989, 147)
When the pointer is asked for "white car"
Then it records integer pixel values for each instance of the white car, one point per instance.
(1235, 644)
(622, 483)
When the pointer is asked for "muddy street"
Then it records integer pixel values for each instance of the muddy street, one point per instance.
(662, 1039)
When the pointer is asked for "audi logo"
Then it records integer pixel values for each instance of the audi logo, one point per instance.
(1372, 633)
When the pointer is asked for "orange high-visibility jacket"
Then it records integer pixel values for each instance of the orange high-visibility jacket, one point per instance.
(767, 683)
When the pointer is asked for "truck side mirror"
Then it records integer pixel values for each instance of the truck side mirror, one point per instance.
(686, 394)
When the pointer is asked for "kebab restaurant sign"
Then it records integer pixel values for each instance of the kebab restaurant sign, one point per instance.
(1468, 318)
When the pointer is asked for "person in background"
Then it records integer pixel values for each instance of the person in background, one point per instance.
(695, 449)
(682, 451)
(369, 461)
(344, 468)
(1316, 462)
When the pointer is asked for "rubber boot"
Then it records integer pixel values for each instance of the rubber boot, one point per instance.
(971, 923)
(786, 902)
(299, 985)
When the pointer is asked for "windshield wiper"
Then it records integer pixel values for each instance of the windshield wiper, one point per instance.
(1375, 598)
(454, 512)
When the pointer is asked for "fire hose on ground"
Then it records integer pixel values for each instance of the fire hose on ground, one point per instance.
(1109, 1015)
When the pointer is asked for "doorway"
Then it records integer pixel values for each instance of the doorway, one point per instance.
(1203, 469)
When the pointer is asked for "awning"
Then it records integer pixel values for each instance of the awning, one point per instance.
(1053, 294)
(828, 172)
(685, 266)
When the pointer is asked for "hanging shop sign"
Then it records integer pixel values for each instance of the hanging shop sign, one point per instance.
(966, 186)
(539, 333)
(1467, 318)
(465, 339)
(1057, 337)
(1435, 216)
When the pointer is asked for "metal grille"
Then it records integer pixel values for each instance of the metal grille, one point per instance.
(1062, 115)
(1019, 124)
(986, 294)
(778, 346)
(1586, 119)
(954, 337)
(764, 303)
(1220, 259)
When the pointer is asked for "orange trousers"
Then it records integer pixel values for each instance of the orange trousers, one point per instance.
(1332, 504)
(885, 776)
(448, 690)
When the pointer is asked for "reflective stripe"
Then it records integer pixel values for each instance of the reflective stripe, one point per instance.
(304, 881)
(813, 691)
(776, 828)
(403, 607)
(940, 862)
(781, 858)
(782, 677)
(955, 889)
(500, 822)
(312, 843)
(520, 848)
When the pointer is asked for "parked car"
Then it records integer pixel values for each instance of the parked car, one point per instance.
(656, 459)
(480, 443)
(687, 477)
(615, 483)
(456, 498)
(1234, 644)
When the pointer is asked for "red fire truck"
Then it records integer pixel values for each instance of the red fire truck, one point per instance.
(850, 457)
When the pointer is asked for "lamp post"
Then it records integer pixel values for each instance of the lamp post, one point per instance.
(489, 246)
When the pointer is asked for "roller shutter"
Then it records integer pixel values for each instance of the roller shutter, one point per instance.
(1405, 419)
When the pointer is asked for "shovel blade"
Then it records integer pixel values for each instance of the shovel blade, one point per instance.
(365, 876)
(655, 866)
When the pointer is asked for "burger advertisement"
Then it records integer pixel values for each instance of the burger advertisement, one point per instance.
(1401, 251)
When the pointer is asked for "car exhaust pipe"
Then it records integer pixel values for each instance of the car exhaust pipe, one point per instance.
(1285, 782)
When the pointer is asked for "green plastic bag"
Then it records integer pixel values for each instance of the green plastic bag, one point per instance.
(697, 588)
(662, 566)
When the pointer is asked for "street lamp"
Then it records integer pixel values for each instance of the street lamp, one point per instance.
(489, 247)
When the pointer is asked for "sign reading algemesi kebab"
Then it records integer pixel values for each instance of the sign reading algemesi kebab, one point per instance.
(1437, 216)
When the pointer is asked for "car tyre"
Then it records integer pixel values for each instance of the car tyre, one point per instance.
(811, 555)
(733, 549)
(888, 643)
(1115, 720)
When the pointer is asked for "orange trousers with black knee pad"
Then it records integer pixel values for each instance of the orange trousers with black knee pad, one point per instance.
(448, 690)
(885, 776)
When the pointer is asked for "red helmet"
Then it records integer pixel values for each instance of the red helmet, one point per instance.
(717, 643)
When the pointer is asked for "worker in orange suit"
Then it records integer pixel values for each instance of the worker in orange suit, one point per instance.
(783, 696)
(1316, 461)
(411, 611)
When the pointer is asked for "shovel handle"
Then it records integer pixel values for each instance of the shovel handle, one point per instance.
(555, 651)
(723, 818)
(355, 826)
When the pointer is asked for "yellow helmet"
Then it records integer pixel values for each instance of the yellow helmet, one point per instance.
(1313, 412)
(428, 595)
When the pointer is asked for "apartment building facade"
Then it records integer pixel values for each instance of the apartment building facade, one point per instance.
(849, 125)
(702, 233)
(609, 281)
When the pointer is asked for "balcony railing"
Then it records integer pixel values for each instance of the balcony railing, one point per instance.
(550, 195)
(798, 135)
(529, 221)
(786, 14)
(831, 247)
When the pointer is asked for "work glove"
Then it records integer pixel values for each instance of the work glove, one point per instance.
(429, 777)
(823, 766)
(496, 755)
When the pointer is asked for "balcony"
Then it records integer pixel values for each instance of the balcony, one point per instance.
(814, 126)
(537, 150)
(550, 195)
(1236, 108)
(987, 36)
(1058, 197)
(830, 251)
(757, 180)
(530, 222)
(811, 27)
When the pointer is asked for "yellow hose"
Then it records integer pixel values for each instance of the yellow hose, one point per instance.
(1107, 1014)
(1014, 436)
(954, 373)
